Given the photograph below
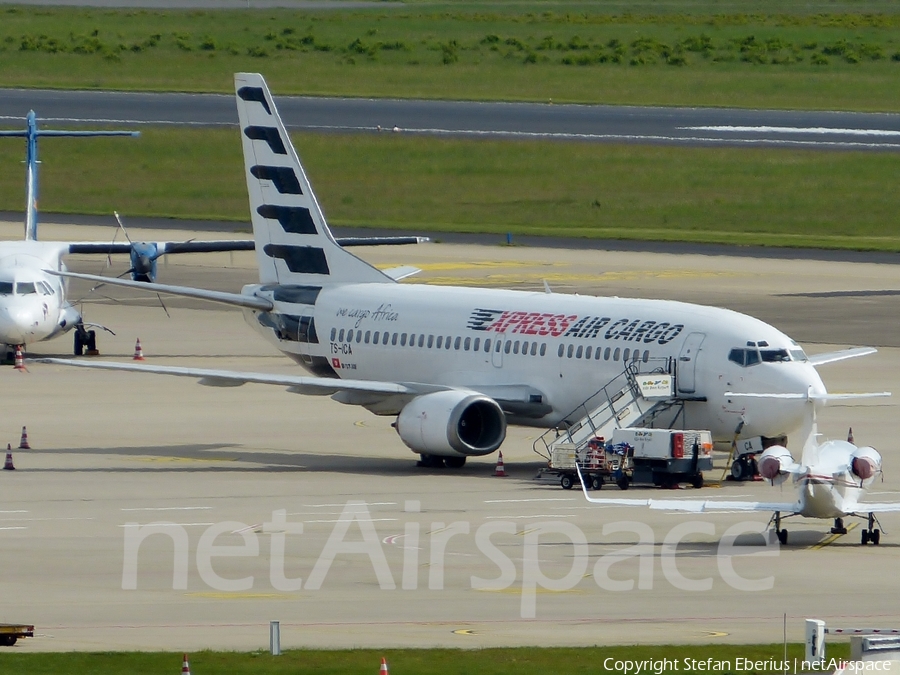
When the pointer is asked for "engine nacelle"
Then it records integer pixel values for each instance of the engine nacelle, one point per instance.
(452, 423)
(774, 463)
(865, 463)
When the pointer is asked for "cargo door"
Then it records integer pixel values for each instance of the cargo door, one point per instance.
(687, 363)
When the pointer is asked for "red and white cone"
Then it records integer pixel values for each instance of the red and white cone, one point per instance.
(500, 471)
(23, 444)
(20, 359)
(138, 352)
(185, 666)
(384, 669)
(8, 464)
(850, 436)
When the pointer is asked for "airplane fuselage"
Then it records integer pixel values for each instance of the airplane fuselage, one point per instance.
(827, 486)
(33, 304)
(565, 347)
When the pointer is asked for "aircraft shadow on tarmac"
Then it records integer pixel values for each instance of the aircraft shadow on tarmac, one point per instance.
(799, 540)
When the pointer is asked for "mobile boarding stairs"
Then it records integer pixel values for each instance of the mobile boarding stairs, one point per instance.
(642, 396)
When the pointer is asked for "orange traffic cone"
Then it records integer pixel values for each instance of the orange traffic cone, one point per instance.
(185, 666)
(23, 444)
(8, 464)
(500, 471)
(384, 669)
(138, 352)
(20, 359)
(850, 436)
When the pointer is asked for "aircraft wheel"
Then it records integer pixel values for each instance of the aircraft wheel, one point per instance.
(566, 482)
(875, 537)
(455, 462)
(596, 483)
(864, 538)
(92, 341)
(79, 345)
(783, 537)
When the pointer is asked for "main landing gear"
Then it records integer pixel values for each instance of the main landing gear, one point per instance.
(438, 462)
(871, 535)
(779, 532)
(85, 340)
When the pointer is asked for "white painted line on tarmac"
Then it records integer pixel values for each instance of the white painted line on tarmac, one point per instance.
(538, 515)
(170, 524)
(22, 527)
(168, 508)
(16, 511)
(795, 130)
(353, 520)
(318, 506)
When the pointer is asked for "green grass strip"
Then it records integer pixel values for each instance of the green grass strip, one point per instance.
(787, 55)
(773, 197)
(512, 661)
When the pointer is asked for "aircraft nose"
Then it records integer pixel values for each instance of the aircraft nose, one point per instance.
(18, 324)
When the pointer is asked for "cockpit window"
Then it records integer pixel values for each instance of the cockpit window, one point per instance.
(750, 356)
(44, 288)
(6, 288)
(25, 288)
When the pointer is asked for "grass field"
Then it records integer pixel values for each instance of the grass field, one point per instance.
(525, 661)
(724, 195)
(792, 55)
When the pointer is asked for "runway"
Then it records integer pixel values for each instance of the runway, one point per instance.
(113, 452)
(537, 121)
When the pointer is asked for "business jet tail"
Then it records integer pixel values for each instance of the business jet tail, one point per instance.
(293, 242)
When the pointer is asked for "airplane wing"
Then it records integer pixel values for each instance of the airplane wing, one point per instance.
(831, 357)
(690, 505)
(884, 507)
(172, 247)
(231, 378)
(163, 247)
(235, 299)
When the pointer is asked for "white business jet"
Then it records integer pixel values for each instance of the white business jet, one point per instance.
(831, 479)
(456, 364)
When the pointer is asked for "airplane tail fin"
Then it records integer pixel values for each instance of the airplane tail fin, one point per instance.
(293, 242)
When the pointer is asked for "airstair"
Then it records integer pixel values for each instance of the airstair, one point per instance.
(643, 395)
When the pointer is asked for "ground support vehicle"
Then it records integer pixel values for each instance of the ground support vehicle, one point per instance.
(11, 632)
(663, 457)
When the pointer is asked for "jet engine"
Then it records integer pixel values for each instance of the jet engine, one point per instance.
(452, 423)
(775, 464)
(865, 462)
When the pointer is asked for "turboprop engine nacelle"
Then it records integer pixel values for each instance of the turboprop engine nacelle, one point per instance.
(452, 423)
(865, 463)
(775, 463)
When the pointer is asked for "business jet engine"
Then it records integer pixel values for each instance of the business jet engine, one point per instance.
(453, 423)
(865, 462)
(775, 464)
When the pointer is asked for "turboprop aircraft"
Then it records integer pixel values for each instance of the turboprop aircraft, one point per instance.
(831, 478)
(456, 364)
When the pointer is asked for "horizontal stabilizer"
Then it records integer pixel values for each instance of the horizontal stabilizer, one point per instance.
(234, 299)
(831, 357)
(402, 272)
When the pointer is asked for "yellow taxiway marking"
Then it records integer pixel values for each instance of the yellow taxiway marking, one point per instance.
(562, 278)
(476, 265)
(465, 631)
(831, 539)
(221, 595)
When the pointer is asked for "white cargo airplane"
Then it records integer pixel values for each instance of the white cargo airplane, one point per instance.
(831, 479)
(455, 364)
